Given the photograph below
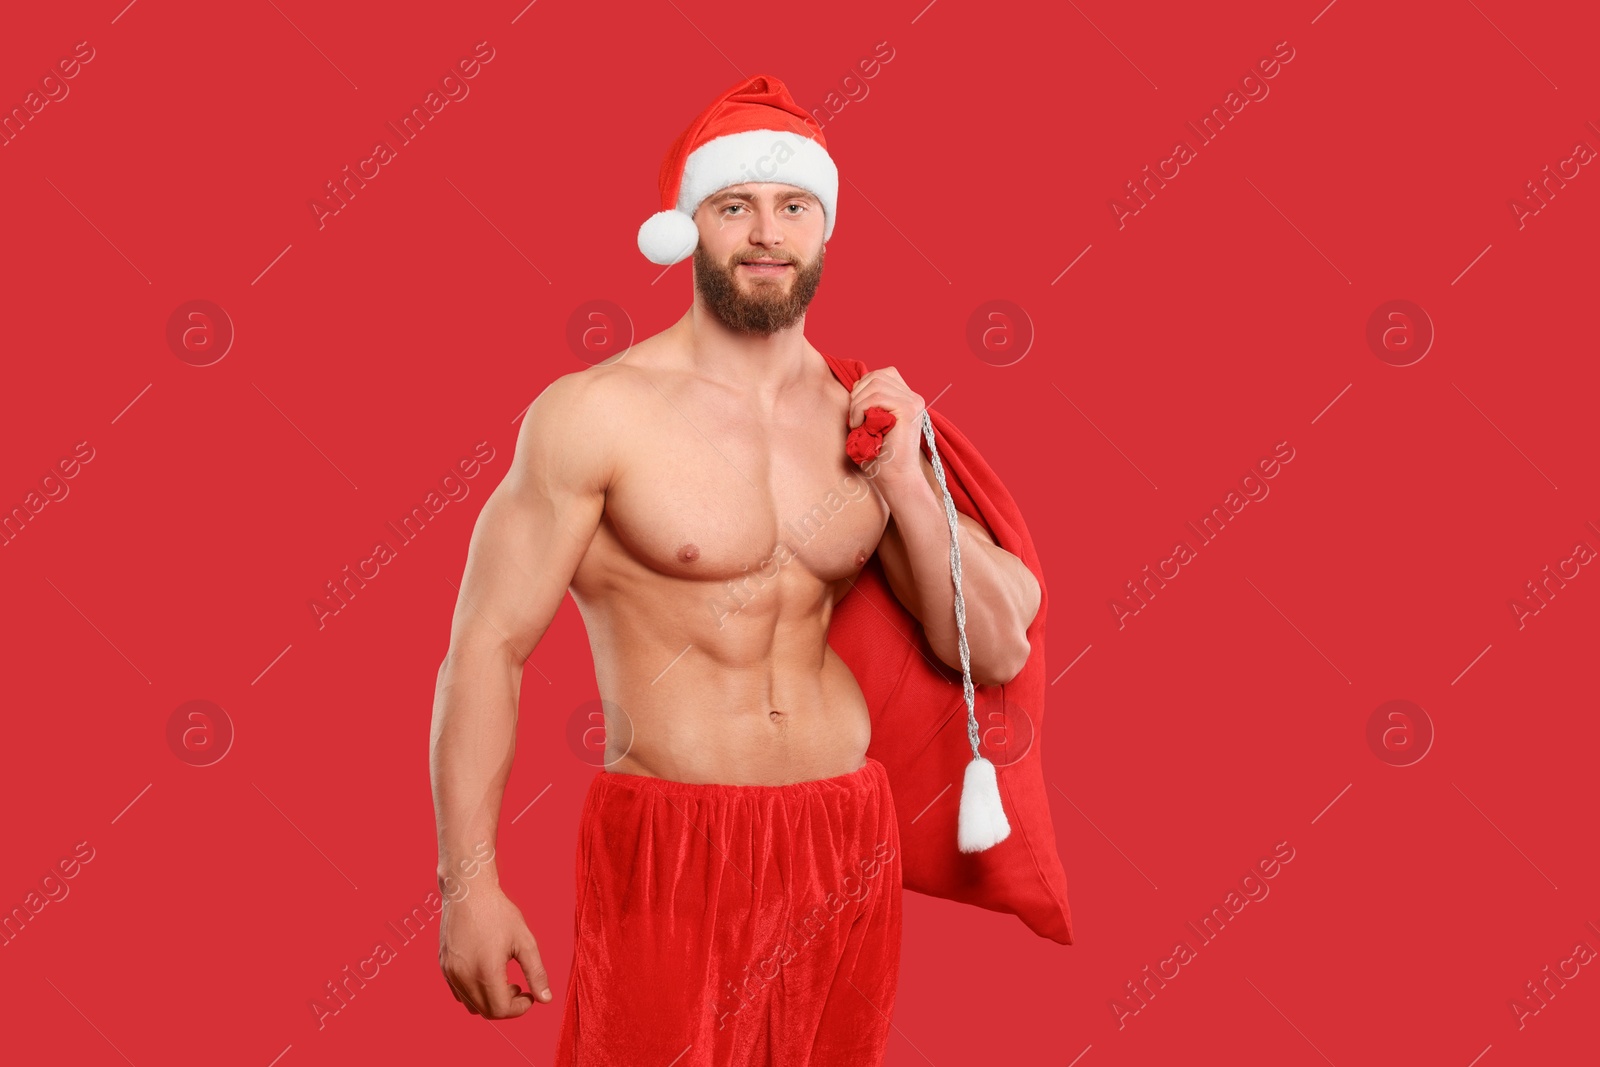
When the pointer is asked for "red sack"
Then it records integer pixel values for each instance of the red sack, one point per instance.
(919, 720)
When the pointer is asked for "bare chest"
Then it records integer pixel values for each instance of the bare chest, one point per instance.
(713, 494)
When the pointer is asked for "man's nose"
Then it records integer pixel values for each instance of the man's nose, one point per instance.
(766, 230)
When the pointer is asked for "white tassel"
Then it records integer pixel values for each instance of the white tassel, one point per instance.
(982, 823)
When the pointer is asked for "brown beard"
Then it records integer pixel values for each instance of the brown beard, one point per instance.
(768, 308)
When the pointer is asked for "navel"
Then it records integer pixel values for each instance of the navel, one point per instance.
(689, 553)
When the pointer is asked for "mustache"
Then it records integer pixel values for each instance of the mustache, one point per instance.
(783, 257)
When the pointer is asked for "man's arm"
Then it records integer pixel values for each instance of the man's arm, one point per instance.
(1000, 593)
(528, 541)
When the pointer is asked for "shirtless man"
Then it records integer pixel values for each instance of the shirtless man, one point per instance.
(644, 485)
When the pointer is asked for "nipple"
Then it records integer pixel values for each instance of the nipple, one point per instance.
(861, 557)
(689, 553)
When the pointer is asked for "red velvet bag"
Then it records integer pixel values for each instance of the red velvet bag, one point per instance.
(919, 721)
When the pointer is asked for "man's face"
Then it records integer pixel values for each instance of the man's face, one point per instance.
(759, 260)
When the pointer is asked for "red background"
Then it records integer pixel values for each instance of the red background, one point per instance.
(1228, 315)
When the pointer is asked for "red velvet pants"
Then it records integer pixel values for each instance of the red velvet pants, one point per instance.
(721, 925)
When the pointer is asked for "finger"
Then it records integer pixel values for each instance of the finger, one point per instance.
(501, 994)
(864, 400)
(465, 996)
(527, 954)
(857, 408)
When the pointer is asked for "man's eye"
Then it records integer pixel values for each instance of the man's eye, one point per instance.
(802, 207)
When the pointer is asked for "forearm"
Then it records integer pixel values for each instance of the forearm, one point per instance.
(998, 591)
(471, 747)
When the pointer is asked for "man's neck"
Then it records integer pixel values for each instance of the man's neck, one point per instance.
(764, 365)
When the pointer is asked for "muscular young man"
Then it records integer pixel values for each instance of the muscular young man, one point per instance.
(737, 793)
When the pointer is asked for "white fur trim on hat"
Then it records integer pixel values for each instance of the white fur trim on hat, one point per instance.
(733, 159)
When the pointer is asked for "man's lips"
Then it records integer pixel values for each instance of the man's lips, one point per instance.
(766, 266)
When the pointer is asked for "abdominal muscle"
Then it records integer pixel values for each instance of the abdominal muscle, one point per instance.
(759, 700)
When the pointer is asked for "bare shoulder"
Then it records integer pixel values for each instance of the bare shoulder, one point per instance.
(576, 428)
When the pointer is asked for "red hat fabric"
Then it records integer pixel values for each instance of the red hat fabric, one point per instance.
(752, 132)
(919, 723)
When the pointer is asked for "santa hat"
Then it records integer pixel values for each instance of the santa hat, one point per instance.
(753, 132)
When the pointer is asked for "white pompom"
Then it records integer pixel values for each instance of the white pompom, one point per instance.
(982, 823)
(668, 237)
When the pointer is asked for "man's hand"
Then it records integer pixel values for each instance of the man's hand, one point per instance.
(1000, 593)
(478, 936)
(527, 544)
(884, 388)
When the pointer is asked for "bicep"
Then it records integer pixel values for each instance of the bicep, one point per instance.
(535, 527)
